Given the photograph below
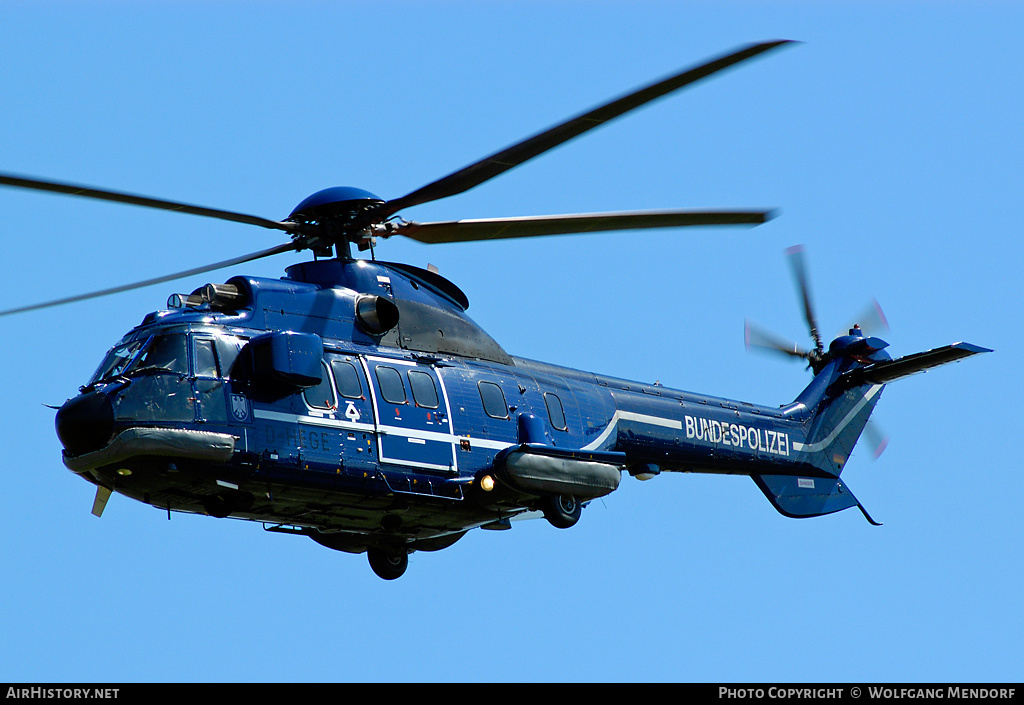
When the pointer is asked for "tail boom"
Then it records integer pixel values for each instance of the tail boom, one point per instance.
(795, 454)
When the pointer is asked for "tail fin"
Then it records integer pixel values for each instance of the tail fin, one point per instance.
(838, 403)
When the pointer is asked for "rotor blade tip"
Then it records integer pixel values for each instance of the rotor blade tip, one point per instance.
(772, 44)
(881, 315)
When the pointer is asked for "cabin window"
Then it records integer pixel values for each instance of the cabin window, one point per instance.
(494, 400)
(424, 393)
(391, 387)
(346, 376)
(556, 415)
(322, 395)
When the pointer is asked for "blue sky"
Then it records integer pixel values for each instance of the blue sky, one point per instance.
(890, 142)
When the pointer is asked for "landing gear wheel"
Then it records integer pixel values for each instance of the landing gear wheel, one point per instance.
(388, 564)
(563, 511)
(217, 506)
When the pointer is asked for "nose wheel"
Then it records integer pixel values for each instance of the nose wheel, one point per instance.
(562, 511)
(388, 564)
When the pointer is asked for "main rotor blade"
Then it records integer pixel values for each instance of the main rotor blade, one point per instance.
(796, 260)
(499, 162)
(156, 280)
(536, 226)
(119, 197)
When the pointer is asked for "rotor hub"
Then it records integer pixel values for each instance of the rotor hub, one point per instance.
(336, 216)
(335, 203)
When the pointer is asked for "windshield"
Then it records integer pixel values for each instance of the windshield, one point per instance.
(163, 353)
(116, 360)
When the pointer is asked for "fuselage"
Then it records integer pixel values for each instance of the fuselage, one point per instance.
(392, 429)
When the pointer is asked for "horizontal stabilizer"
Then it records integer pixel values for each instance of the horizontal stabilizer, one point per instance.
(800, 497)
(889, 370)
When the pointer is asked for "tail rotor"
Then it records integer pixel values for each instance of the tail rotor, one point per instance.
(871, 321)
(757, 338)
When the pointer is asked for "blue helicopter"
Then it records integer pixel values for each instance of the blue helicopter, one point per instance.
(354, 402)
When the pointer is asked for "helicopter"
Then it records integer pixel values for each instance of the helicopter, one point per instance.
(354, 402)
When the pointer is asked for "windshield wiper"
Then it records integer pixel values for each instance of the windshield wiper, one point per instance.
(152, 370)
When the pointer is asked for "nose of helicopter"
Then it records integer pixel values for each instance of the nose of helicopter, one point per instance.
(85, 423)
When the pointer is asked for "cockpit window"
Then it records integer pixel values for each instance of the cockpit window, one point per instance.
(116, 361)
(212, 357)
(227, 352)
(205, 362)
(163, 353)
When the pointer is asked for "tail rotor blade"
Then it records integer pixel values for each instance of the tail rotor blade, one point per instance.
(877, 439)
(796, 261)
(758, 338)
(872, 320)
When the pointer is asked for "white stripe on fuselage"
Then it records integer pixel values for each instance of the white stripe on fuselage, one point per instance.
(631, 416)
(827, 441)
(409, 433)
(675, 424)
(619, 415)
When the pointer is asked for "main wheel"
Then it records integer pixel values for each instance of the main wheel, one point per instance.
(217, 506)
(388, 564)
(563, 510)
